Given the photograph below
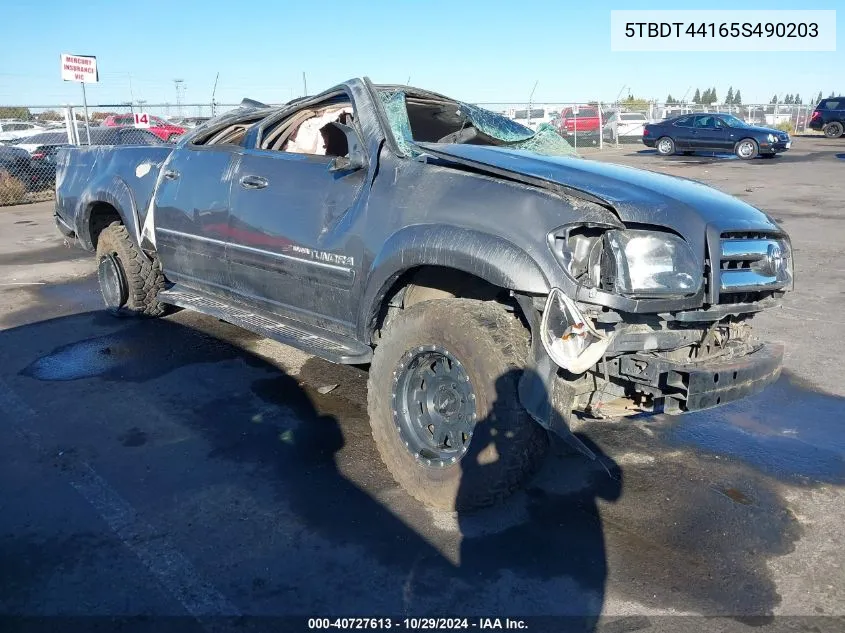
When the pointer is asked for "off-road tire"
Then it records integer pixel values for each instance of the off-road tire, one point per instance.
(506, 446)
(662, 143)
(834, 129)
(144, 279)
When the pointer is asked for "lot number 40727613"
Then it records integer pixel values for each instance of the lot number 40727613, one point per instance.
(142, 119)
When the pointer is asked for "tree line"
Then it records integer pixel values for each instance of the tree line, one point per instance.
(709, 97)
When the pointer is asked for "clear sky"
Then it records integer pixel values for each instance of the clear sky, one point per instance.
(480, 51)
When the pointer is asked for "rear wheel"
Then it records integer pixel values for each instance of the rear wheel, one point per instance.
(665, 146)
(444, 408)
(129, 282)
(747, 149)
(833, 130)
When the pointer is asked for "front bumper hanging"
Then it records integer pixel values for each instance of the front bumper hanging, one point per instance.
(693, 387)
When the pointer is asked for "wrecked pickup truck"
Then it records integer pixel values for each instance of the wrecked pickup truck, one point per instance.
(495, 283)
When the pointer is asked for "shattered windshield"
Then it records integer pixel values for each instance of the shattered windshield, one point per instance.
(414, 119)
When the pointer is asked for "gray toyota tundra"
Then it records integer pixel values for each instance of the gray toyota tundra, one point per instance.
(496, 284)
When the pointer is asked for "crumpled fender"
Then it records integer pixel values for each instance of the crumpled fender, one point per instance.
(489, 257)
(111, 190)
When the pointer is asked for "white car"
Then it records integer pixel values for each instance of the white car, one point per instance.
(18, 129)
(531, 119)
(625, 125)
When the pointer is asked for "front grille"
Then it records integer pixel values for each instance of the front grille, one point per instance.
(751, 265)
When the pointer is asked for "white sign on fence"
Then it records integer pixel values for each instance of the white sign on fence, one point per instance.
(142, 119)
(81, 68)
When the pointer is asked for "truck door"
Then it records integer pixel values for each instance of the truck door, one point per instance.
(191, 212)
(288, 249)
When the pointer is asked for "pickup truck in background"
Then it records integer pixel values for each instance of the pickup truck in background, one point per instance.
(583, 120)
(495, 283)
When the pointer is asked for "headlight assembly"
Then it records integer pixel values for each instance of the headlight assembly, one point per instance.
(772, 138)
(650, 264)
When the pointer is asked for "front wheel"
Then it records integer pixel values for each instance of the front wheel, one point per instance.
(444, 408)
(833, 130)
(747, 149)
(665, 146)
(129, 282)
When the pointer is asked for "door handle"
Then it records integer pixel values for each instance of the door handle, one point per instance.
(253, 182)
(170, 174)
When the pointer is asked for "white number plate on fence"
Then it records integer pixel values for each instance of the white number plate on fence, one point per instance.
(142, 119)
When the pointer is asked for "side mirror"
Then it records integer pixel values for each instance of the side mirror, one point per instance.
(355, 158)
(353, 162)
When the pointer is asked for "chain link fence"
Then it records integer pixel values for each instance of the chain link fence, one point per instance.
(30, 136)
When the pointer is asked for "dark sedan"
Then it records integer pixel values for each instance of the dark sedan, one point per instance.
(714, 132)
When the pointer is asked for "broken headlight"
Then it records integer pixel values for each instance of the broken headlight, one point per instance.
(568, 336)
(649, 263)
(578, 248)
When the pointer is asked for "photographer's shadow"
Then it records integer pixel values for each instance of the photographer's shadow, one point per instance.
(543, 552)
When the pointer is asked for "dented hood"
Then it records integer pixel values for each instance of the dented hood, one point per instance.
(635, 195)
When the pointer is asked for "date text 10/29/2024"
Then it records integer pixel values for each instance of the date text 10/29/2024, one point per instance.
(418, 624)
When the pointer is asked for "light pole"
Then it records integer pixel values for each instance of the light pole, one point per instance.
(180, 86)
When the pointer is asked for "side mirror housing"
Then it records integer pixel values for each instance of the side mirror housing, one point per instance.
(356, 158)
(355, 161)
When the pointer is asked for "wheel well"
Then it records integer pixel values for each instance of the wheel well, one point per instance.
(429, 283)
(102, 215)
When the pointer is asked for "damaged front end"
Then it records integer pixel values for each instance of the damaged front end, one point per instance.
(651, 329)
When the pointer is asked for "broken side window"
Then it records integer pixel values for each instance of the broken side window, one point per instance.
(312, 130)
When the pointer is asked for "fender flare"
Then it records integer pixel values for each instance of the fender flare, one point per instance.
(490, 257)
(111, 190)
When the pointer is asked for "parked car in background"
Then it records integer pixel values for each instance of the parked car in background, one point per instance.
(12, 129)
(532, 118)
(42, 150)
(165, 130)
(19, 164)
(14, 162)
(99, 136)
(624, 125)
(714, 132)
(829, 117)
(585, 121)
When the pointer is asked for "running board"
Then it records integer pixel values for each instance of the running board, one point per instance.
(315, 341)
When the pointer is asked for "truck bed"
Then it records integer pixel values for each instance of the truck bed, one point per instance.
(125, 175)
